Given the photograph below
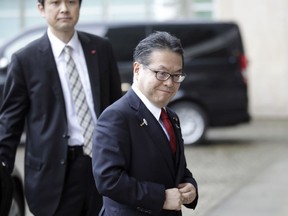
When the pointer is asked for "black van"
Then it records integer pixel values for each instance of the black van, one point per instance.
(214, 92)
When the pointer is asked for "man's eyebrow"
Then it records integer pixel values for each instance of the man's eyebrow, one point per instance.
(164, 69)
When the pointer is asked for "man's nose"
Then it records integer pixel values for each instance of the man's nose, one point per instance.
(64, 7)
(169, 81)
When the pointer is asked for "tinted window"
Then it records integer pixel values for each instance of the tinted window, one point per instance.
(204, 41)
(124, 40)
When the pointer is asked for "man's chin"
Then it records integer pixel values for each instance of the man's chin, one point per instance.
(67, 31)
(66, 26)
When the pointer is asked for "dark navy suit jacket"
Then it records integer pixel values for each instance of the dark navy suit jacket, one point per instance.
(133, 163)
(33, 94)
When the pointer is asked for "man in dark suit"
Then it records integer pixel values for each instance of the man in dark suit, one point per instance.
(40, 93)
(138, 160)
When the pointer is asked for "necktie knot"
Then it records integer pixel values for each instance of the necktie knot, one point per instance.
(67, 53)
(163, 114)
(67, 49)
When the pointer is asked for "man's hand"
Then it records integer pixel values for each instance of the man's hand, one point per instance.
(188, 192)
(173, 199)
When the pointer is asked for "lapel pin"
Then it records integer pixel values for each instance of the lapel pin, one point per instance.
(176, 122)
(93, 52)
(144, 122)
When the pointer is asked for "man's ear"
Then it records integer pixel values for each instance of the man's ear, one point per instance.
(136, 69)
(41, 9)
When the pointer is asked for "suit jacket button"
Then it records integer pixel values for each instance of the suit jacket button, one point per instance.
(62, 162)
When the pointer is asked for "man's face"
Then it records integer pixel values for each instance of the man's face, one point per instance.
(158, 92)
(61, 15)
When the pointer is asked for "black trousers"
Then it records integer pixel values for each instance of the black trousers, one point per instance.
(6, 190)
(80, 196)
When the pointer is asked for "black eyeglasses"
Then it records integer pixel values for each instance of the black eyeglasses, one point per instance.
(163, 76)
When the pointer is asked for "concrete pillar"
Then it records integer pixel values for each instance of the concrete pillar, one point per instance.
(264, 25)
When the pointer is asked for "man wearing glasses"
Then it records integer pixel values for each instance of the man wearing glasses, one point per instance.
(138, 154)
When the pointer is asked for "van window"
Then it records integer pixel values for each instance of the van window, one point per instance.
(204, 41)
(124, 40)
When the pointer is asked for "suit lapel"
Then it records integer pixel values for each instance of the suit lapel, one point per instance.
(49, 74)
(153, 129)
(92, 61)
(179, 158)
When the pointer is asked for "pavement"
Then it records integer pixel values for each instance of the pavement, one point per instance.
(240, 171)
(264, 195)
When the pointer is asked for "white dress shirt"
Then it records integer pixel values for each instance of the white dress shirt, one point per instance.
(74, 128)
(156, 112)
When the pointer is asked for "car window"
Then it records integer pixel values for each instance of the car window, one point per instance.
(124, 40)
(96, 29)
(28, 37)
(21, 42)
(204, 41)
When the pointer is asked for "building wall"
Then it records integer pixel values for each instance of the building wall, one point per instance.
(264, 25)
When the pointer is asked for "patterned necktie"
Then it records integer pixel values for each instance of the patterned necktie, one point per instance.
(169, 128)
(79, 99)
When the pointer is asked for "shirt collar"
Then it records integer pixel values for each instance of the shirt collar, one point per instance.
(58, 45)
(150, 106)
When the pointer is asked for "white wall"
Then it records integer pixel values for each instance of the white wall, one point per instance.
(264, 25)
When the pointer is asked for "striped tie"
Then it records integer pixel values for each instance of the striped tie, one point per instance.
(79, 99)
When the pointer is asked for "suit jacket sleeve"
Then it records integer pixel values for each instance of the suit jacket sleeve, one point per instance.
(12, 113)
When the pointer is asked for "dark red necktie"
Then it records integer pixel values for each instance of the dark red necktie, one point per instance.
(169, 128)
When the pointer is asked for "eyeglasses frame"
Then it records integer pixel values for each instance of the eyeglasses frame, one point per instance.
(170, 75)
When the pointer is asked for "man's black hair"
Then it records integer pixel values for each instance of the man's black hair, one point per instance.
(156, 41)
